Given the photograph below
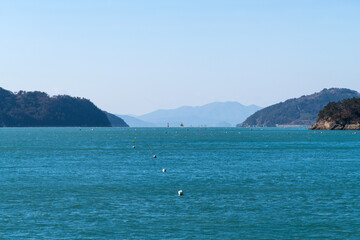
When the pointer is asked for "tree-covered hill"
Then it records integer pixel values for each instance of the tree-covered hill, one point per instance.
(298, 111)
(38, 109)
(116, 121)
(339, 116)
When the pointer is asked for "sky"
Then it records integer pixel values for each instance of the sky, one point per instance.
(137, 56)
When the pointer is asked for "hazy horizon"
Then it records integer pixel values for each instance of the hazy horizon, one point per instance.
(181, 106)
(134, 57)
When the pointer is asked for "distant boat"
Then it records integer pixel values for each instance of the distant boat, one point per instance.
(167, 124)
(181, 125)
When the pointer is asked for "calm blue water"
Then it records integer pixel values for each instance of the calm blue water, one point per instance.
(62, 183)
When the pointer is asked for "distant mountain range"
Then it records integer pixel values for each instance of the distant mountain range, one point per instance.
(116, 121)
(38, 109)
(135, 122)
(217, 114)
(297, 111)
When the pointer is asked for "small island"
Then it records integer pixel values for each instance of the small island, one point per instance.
(344, 115)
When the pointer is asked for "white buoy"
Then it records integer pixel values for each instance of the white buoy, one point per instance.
(154, 156)
(180, 193)
(134, 147)
(164, 170)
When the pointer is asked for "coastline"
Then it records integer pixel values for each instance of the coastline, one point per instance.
(331, 125)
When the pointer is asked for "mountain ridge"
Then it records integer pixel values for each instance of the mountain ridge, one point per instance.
(297, 111)
(38, 109)
(116, 121)
(212, 115)
(134, 121)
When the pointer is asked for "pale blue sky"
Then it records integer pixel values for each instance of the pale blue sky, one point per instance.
(136, 56)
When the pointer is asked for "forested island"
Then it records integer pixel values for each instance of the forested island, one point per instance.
(38, 109)
(344, 115)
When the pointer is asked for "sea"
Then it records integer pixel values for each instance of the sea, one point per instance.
(237, 183)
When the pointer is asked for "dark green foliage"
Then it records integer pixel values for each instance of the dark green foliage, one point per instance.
(298, 111)
(345, 112)
(115, 120)
(37, 109)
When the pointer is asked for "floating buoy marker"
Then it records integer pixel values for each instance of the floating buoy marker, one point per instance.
(154, 156)
(164, 170)
(180, 193)
(134, 147)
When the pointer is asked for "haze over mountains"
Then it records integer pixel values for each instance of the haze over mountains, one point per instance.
(38, 109)
(135, 122)
(116, 121)
(217, 114)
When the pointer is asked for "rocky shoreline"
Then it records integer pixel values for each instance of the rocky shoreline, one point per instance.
(331, 125)
(343, 115)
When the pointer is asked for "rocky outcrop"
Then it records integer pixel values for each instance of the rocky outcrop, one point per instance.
(343, 115)
(332, 125)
